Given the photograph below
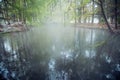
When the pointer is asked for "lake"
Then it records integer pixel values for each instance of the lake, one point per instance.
(60, 53)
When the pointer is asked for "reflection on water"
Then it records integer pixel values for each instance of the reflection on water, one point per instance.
(57, 53)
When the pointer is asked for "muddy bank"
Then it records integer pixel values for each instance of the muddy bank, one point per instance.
(14, 27)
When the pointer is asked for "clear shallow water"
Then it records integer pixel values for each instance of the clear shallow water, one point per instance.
(60, 53)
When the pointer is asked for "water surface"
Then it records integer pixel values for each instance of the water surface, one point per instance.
(60, 53)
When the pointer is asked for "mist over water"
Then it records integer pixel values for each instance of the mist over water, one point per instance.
(60, 53)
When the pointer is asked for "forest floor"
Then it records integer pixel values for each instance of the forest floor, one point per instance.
(14, 27)
(98, 26)
(19, 27)
(89, 25)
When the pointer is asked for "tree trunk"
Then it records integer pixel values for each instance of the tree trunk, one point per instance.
(93, 9)
(104, 16)
(79, 14)
(75, 12)
(115, 14)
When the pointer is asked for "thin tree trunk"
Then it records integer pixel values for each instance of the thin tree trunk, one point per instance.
(93, 9)
(115, 14)
(80, 14)
(75, 12)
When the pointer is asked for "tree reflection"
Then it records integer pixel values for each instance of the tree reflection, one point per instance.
(84, 55)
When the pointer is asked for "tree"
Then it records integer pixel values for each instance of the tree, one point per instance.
(24, 10)
(103, 13)
(93, 10)
(116, 14)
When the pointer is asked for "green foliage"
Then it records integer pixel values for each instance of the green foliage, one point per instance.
(36, 11)
(25, 10)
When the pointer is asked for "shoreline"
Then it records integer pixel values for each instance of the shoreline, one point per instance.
(15, 27)
(89, 25)
(97, 26)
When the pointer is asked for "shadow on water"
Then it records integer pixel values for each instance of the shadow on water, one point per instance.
(56, 53)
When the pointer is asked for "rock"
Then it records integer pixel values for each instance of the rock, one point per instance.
(1, 26)
(1, 30)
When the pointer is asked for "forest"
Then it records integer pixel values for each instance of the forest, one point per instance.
(59, 39)
(80, 11)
